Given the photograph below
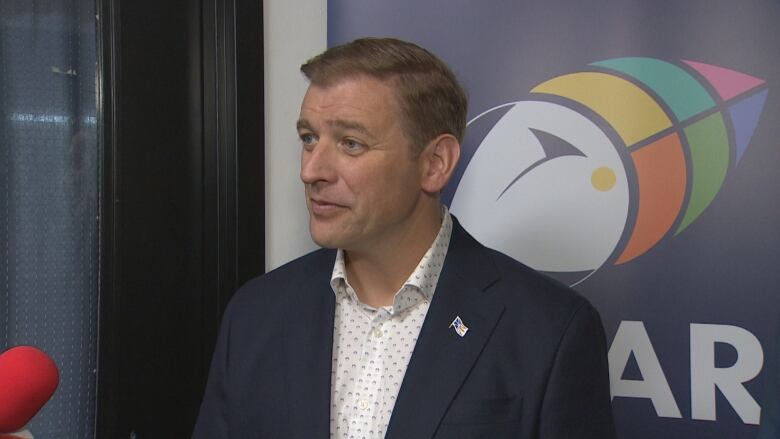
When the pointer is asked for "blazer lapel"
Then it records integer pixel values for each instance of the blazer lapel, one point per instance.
(442, 359)
(308, 342)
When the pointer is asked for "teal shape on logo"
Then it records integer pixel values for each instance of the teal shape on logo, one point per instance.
(680, 91)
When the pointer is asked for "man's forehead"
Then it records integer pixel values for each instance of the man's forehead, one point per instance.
(338, 123)
(351, 79)
(351, 90)
(358, 103)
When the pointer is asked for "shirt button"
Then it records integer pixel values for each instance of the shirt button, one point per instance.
(377, 333)
(363, 404)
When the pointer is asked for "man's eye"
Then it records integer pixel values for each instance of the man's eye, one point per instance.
(308, 139)
(352, 145)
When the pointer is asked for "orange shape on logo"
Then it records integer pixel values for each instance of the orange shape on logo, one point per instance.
(661, 174)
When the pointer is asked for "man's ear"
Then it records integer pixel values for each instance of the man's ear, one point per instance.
(439, 159)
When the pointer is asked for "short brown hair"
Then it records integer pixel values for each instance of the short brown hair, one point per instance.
(431, 99)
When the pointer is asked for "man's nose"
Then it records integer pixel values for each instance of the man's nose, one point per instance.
(317, 163)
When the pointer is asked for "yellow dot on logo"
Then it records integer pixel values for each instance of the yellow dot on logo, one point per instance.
(603, 179)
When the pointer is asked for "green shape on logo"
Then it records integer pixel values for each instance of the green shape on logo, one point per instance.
(684, 95)
(708, 142)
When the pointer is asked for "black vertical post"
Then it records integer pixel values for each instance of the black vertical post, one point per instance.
(182, 217)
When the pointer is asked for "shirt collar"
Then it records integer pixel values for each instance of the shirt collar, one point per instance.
(420, 285)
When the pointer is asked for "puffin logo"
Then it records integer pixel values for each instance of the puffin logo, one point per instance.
(603, 164)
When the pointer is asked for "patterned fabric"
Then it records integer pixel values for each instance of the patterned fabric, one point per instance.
(372, 346)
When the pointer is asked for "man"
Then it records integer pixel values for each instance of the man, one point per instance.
(403, 326)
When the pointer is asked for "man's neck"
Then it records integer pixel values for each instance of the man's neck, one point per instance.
(377, 275)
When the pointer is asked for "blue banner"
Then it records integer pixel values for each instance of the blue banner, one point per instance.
(629, 149)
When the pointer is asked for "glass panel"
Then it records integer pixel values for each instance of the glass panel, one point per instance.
(48, 199)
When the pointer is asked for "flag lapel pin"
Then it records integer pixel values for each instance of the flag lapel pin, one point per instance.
(460, 327)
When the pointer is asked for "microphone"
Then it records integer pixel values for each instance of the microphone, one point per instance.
(18, 435)
(28, 378)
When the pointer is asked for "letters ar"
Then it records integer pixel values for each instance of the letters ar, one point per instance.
(632, 338)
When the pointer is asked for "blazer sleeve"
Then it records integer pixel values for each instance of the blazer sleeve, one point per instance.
(212, 422)
(577, 402)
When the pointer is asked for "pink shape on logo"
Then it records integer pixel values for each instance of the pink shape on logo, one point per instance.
(728, 83)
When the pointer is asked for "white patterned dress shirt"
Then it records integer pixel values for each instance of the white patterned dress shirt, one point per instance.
(372, 346)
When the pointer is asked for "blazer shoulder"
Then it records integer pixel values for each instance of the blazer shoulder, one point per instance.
(276, 285)
(517, 284)
(522, 286)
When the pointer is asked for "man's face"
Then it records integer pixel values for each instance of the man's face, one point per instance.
(362, 182)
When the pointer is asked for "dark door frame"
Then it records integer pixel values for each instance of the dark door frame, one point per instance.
(182, 218)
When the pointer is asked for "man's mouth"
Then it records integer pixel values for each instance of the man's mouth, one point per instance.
(324, 207)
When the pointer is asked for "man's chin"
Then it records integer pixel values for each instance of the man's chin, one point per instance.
(334, 234)
(324, 240)
(325, 244)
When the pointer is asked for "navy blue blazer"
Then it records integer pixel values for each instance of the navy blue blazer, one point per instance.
(532, 365)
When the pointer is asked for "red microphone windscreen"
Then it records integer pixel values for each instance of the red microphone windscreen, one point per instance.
(28, 378)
